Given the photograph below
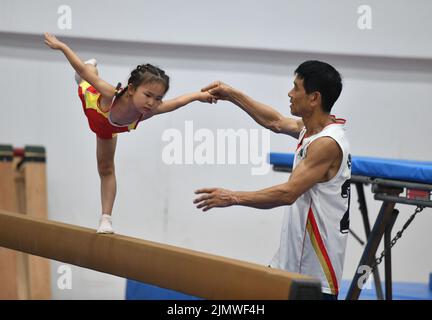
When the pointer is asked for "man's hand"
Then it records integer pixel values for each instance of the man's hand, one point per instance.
(219, 89)
(215, 197)
(52, 42)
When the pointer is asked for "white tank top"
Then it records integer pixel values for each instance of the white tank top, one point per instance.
(315, 227)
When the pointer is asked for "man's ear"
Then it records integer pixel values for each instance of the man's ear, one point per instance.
(315, 98)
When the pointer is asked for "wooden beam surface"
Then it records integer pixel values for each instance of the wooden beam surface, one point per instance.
(191, 272)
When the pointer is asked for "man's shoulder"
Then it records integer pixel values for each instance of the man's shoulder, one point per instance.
(323, 149)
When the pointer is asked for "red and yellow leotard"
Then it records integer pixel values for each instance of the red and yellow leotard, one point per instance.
(98, 120)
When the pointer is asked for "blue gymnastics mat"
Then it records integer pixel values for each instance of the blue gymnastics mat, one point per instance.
(401, 291)
(141, 291)
(405, 170)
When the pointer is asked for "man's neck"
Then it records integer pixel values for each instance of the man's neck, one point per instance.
(316, 122)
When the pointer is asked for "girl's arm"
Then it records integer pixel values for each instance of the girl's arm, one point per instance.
(103, 87)
(173, 104)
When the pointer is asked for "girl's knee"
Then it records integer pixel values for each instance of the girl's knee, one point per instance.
(106, 168)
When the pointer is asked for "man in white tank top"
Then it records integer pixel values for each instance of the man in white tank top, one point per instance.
(317, 193)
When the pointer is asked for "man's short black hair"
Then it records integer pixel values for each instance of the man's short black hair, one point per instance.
(322, 77)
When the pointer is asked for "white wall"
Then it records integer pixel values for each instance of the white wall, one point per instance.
(327, 26)
(385, 99)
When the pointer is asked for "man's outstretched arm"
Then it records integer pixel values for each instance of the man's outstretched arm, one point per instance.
(322, 154)
(263, 114)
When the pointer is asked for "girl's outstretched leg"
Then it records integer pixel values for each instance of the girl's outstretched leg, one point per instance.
(105, 160)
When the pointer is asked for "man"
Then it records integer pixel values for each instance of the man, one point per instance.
(317, 193)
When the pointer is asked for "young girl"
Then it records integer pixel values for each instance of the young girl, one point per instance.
(111, 110)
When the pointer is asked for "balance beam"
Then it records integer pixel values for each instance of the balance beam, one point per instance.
(191, 272)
